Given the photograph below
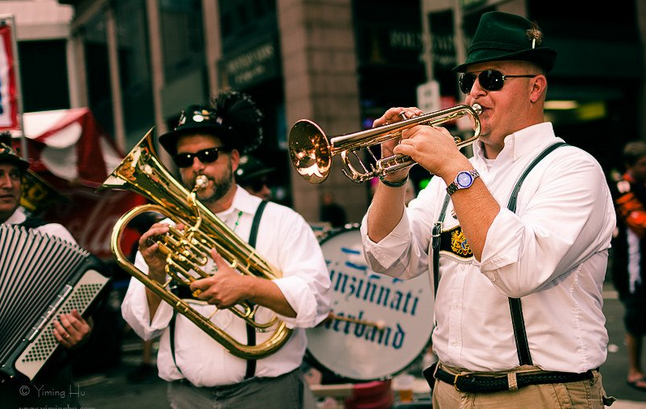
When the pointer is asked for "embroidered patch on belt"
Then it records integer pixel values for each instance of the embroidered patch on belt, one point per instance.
(455, 242)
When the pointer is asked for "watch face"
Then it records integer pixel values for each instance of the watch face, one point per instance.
(464, 179)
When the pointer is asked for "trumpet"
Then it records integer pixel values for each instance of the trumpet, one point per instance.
(311, 151)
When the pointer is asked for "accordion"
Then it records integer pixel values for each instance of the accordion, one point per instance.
(41, 277)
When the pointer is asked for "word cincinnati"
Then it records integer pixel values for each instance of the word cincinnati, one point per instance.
(373, 293)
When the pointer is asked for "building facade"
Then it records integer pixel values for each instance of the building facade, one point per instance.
(339, 63)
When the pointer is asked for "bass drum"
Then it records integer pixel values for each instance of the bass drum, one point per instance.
(380, 324)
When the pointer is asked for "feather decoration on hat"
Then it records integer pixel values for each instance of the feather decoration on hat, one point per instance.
(239, 114)
(535, 35)
(5, 138)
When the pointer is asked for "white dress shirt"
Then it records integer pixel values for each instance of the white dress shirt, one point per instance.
(53, 229)
(552, 252)
(287, 242)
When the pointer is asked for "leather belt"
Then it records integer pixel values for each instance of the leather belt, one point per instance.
(473, 383)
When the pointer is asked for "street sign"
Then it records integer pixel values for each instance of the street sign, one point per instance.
(428, 96)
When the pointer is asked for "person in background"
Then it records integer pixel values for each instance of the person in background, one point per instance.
(201, 373)
(332, 212)
(252, 176)
(629, 255)
(70, 330)
(518, 269)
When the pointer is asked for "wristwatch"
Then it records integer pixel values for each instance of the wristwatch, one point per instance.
(463, 180)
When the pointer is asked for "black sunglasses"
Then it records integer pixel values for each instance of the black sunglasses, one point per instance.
(208, 155)
(491, 80)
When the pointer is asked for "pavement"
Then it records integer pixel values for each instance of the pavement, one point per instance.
(615, 369)
(110, 388)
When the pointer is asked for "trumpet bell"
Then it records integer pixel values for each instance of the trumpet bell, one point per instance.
(310, 151)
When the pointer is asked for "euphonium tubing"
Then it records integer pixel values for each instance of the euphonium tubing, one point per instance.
(141, 172)
(311, 150)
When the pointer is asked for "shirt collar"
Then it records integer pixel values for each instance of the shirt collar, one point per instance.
(522, 142)
(242, 201)
(17, 217)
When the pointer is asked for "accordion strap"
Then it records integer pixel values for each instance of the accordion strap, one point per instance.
(33, 222)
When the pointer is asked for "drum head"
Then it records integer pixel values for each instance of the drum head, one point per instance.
(360, 351)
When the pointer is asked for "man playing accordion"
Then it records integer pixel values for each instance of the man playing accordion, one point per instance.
(70, 330)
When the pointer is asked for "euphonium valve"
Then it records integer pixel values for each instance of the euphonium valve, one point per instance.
(187, 250)
(311, 150)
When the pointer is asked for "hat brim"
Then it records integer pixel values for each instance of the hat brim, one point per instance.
(169, 140)
(22, 164)
(253, 176)
(544, 57)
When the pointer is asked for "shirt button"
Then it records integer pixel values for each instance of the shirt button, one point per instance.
(454, 343)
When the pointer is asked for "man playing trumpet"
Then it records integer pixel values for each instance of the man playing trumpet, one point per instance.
(518, 309)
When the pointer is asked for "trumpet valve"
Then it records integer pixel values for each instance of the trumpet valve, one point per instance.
(380, 325)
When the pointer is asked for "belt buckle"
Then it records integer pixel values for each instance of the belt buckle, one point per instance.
(455, 381)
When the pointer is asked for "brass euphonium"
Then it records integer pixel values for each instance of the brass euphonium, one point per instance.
(189, 249)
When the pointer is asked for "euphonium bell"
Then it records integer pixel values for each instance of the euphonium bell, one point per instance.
(187, 250)
(311, 151)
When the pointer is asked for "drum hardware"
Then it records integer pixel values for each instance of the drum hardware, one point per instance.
(380, 324)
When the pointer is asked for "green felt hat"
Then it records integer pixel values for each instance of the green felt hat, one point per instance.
(503, 36)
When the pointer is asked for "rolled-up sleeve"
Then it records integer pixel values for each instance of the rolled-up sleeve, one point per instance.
(390, 255)
(567, 220)
(134, 308)
(404, 252)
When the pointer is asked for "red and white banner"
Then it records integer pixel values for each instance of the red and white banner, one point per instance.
(8, 102)
(69, 150)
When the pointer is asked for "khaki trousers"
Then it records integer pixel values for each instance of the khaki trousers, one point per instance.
(588, 394)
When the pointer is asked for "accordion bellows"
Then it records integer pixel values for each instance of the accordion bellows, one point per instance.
(41, 277)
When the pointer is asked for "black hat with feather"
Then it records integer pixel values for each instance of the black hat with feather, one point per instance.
(234, 118)
(9, 155)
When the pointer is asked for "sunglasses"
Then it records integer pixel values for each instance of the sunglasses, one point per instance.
(491, 80)
(206, 156)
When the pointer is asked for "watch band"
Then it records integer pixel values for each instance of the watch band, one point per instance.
(399, 183)
(455, 186)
